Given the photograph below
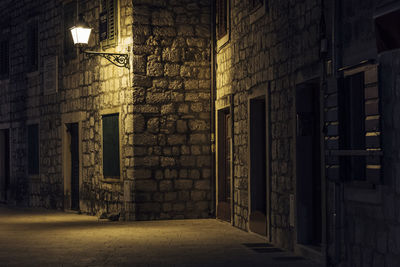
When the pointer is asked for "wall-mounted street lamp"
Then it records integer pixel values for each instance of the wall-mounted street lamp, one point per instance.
(81, 34)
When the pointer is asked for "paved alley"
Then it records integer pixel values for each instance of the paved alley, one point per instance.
(30, 237)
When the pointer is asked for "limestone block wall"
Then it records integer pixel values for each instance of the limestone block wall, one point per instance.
(268, 52)
(171, 109)
(93, 86)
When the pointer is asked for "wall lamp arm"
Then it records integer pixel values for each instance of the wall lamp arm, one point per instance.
(118, 59)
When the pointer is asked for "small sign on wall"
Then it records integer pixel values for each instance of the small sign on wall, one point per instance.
(50, 75)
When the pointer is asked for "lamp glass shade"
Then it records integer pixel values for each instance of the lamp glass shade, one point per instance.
(80, 35)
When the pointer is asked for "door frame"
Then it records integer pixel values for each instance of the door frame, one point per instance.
(261, 92)
(76, 117)
(224, 108)
(301, 248)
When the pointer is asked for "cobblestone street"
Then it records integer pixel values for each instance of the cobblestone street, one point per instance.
(31, 237)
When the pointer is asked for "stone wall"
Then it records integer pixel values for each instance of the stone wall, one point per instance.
(89, 86)
(268, 52)
(171, 112)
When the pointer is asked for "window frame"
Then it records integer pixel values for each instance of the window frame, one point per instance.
(103, 113)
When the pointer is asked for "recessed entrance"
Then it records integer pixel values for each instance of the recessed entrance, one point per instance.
(308, 158)
(258, 177)
(224, 166)
(4, 164)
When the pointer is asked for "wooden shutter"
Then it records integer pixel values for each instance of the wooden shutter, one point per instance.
(359, 125)
(372, 123)
(111, 165)
(33, 149)
(109, 22)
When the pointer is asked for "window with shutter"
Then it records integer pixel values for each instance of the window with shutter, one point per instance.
(359, 125)
(69, 16)
(4, 59)
(108, 23)
(32, 46)
(111, 165)
(33, 149)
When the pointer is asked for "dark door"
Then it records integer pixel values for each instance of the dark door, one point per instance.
(224, 167)
(258, 185)
(309, 213)
(4, 164)
(73, 129)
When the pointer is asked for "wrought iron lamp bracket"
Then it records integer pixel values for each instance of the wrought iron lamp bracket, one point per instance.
(118, 59)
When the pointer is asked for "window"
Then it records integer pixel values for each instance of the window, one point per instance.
(359, 125)
(4, 58)
(32, 45)
(222, 22)
(33, 149)
(108, 24)
(69, 21)
(111, 165)
(222, 18)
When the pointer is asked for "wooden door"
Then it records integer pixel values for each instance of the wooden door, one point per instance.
(224, 167)
(74, 148)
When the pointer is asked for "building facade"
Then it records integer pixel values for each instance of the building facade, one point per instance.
(279, 117)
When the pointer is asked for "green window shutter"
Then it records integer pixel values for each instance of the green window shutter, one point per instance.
(111, 165)
(33, 149)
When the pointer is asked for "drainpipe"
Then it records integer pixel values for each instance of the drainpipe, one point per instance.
(322, 89)
(337, 64)
(212, 111)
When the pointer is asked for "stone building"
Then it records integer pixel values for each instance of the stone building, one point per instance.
(279, 117)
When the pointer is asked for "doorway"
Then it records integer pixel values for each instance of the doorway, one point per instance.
(73, 131)
(224, 166)
(308, 169)
(258, 167)
(4, 164)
